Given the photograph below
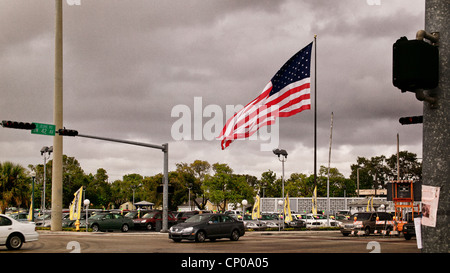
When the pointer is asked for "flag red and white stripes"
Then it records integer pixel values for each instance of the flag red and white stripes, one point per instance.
(287, 94)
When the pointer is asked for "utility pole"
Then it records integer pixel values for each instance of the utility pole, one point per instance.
(57, 175)
(436, 130)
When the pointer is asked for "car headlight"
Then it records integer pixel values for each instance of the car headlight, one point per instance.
(187, 230)
(143, 221)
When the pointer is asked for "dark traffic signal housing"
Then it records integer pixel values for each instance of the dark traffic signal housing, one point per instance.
(18, 125)
(67, 132)
(411, 120)
(415, 65)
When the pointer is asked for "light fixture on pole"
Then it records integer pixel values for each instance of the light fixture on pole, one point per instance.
(33, 176)
(189, 186)
(244, 203)
(282, 156)
(281, 204)
(44, 151)
(86, 203)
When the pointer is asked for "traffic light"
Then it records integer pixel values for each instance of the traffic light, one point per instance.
(411, 120)
(18, 125)
(415, 65)
(67, 132)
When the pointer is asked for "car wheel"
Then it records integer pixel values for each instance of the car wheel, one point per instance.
(235, 235)
(125, 228)
(15, 242)
(149, 226)
(200, 237)
(95, 228)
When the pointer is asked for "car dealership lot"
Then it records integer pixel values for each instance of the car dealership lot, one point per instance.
(251, 242)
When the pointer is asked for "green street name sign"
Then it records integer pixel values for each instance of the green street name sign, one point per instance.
(44, 129)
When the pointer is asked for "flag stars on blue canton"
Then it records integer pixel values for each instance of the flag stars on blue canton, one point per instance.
(296, 69)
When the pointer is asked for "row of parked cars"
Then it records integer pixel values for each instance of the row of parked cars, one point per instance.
(274, 220)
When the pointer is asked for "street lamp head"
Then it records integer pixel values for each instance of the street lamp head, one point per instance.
(86, 202)
(279, 152)
(44, 150)
(33, 174)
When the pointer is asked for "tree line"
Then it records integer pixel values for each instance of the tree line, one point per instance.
(214, 182)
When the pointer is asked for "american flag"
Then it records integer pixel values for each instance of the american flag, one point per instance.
(287, 94)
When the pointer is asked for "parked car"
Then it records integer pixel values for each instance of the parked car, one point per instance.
(250, 223)
(296, 222)
(44, 220)
(271, 220)
(317, 220)
(184, 215)
(110, 221)
(20, 216)
(14, 233)
(368, 222)
(210, 226)
(151, 220)
(135, 214)
(66, 222)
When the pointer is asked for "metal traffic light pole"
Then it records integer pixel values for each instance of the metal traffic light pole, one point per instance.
(436, 130)
(163, 147)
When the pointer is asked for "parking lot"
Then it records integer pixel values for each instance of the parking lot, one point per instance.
(251, 242)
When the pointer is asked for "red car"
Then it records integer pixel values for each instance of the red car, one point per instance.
(153, 219)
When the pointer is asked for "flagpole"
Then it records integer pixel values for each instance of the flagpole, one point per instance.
(315, 111)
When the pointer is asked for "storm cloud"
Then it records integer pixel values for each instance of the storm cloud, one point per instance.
(127, 64)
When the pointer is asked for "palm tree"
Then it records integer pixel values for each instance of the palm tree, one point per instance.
(14, 185)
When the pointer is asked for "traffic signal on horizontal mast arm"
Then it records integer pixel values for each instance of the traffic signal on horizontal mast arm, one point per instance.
(67, 132)
(411, 120)
(18, 125)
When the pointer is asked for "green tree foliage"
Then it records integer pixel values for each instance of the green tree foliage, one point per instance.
(14, 186)
(216, 183)
(377, 171)
(224, 187)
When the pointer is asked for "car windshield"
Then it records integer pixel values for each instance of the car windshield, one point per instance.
(149, 215)
(198, 218)
(131, 214)
(97, 216)
(268, 217)
(361, 216)
(47, 216)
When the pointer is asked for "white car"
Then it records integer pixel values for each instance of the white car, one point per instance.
(317, 220)
(14, 233)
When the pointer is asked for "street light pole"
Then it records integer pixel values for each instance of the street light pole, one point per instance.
(189, 196)
(282, 156)
(281, 153)
(45, 150)
(33, 176)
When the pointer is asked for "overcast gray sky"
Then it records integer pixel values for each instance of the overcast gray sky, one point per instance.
(127, 64)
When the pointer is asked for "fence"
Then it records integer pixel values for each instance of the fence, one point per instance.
(304, 204)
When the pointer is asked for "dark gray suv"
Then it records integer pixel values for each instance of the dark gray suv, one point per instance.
(367, 222)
